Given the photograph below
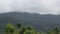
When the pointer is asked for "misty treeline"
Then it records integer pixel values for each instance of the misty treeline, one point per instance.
(19, 29)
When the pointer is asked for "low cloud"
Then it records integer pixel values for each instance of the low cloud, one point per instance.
(32, 6)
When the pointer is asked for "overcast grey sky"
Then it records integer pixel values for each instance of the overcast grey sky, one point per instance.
(32, 6)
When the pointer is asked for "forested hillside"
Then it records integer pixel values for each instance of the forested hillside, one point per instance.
(20, 29)
(39, 22)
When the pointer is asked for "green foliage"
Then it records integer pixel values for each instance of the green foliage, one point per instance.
(30, 32)
(28, 28)
(18, 25)
(27, 32)
(38, 32)
(9, 28)
(54, 31)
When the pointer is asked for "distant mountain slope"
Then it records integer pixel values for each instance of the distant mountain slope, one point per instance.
(40, 22)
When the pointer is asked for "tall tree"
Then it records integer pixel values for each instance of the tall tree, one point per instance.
(54, 31)
(9, 28)
(19, 25)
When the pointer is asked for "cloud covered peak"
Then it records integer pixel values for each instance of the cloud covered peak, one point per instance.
(32, 6)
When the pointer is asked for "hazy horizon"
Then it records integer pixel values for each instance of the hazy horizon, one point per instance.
(31, 6)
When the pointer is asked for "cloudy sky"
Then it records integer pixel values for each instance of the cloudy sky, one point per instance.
(32, 6)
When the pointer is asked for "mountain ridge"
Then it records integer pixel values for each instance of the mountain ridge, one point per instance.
(39, 22)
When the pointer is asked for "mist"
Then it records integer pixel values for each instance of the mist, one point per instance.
(31, 6)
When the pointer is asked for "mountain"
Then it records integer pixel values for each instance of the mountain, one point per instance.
(38, 21)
